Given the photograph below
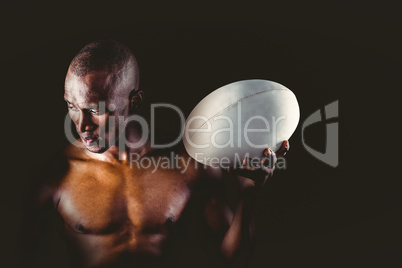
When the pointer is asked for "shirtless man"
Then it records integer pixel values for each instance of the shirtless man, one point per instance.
(114, 214)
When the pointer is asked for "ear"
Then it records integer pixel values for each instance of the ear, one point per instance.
(136, 98)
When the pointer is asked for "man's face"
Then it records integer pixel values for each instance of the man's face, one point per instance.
(85, 97)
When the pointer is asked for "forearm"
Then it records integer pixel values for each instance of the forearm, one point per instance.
(238, 242)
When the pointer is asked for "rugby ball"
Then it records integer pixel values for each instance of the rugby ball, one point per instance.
(240, 119)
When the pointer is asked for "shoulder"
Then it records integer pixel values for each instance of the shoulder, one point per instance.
(198, 171)
(75, 151)
(176, 162)
(45, 183)
(60, 162)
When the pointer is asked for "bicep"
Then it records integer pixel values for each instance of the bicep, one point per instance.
(37, 211)
(39, 208)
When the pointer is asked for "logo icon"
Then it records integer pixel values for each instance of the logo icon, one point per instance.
(331, 154)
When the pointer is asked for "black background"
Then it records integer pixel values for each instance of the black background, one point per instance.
(311, 215)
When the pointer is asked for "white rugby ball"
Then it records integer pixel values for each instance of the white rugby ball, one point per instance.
(240, 119)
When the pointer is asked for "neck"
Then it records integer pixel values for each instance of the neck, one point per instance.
(114, 154)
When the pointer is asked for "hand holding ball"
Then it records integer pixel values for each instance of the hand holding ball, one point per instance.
(240, 119)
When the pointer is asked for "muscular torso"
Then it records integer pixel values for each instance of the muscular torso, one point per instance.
(115, 214)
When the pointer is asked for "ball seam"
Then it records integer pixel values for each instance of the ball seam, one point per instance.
(230, 105)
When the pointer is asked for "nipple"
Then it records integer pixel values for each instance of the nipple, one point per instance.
(170, 221)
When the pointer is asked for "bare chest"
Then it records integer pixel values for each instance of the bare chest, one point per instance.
(107, 200)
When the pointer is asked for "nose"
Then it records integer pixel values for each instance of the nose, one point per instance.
(85, 122)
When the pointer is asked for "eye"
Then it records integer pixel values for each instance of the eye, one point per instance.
(94, 111)
(72, 108)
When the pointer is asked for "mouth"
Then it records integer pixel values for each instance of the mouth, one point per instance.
(89, 141)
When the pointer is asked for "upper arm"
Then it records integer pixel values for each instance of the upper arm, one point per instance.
(43, 188)
(39, 207)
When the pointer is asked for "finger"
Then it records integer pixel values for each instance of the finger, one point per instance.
(267, 152)
(244, 168)
(251, 174)
(267, 163)
(229, 170)
(245, 162)
(269, 160)
(284, 148)
(238, 170)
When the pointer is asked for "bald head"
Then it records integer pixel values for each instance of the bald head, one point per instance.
(107, 56)
(104, 55)
(103, 69)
